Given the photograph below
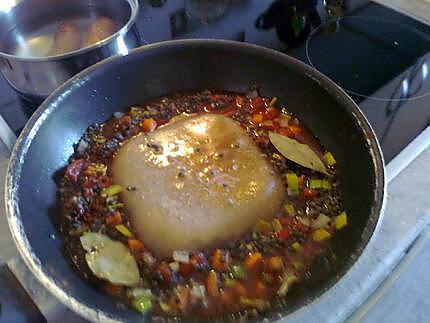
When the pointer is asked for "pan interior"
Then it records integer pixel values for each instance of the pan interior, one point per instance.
(47, 142)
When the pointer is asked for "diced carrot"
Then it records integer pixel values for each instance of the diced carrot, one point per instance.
(257, 103)
(114, 219)
(253, 260)
(271, 113)
(136, 245)
(227, 296)
(257, 118)
(259, 289)
(301, 181)
(240, 290)
(220, 260)
(286, 132)
(212, 283)
(295, 129)
(149, 125)
(275, 263)
(112, 289)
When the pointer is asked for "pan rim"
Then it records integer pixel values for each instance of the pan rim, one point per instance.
(52, 103)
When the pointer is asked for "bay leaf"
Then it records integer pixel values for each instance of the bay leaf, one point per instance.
(297, 152)
(110, 260)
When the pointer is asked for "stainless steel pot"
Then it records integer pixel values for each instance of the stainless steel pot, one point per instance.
(26, 24)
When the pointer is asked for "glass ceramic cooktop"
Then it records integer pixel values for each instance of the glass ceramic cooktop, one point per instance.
(379, 56)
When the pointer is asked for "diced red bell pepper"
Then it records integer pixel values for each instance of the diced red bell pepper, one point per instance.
(309, 193)
(75, 169)
(164, 270)
(284, 234)
(257, 103)
(186, 270)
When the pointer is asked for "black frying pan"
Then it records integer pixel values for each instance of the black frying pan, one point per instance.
(47, 141)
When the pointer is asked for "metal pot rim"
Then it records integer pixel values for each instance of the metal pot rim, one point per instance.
(134, 7)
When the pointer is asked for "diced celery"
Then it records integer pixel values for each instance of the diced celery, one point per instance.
(319, 184)
(262, 226)
(96, 168)
(293, 184)
(112, 190)
(230, 282)
(124, 230)
(315, 183)
(292, 181)
(326, 184)
(329, 159)
(341, 220)
(289, 208)
(320, 235)
(238, 272)
(277, 226)
(297, 246)
(142, 304)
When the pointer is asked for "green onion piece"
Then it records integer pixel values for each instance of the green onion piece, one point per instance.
(326, 184)
(229, 282)
(138, 292)
(329, 159)
(164, 307)
(315, 183)
(142, 304)
(112, 190)
(293, 184)
(238, 272)
(262, 226)
(289, 208)
(319, 184)
(124, 230)
(296, 246)
(277, 226)
(341, 221)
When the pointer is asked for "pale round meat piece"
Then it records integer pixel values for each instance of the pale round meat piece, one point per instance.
(197, 183)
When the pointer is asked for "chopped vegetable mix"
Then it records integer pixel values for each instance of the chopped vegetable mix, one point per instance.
(235, 281)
